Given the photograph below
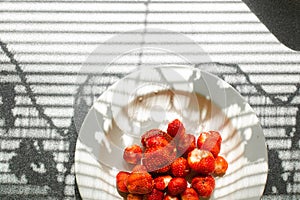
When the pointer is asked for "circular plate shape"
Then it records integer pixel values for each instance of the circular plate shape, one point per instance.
(150, 98)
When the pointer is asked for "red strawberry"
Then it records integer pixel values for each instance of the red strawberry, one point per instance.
(139, 183)
(162, 170)
(162, 182)
(180, 167)
(176, 128)
(201, 161)
(186, 144)
(176, 186)
(139, 168)
(154, 195)
(154, 132)
(156, 158)
(189, 194)
(152, 159)
(156, 141)
(221, 166)
(210, 141)
(169, 197)
(121, 180)
(204, 185)
(133, 154)
(134, 197)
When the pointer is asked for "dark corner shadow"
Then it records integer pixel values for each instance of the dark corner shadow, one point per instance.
(281, 17)
(275, 183)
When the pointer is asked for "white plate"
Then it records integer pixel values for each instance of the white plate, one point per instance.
(150, 99)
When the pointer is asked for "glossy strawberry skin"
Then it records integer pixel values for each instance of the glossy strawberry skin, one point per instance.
(210, 141)
(156, 158)
(154, 132)
(134, 197)
(180, 167)
(121, 179)
(201, 161)
(154, 195)
(221, 166)
(176, 186)
(139, 168)
(169, 197)
(163, 170)
(162, 182)
(153, 159)
(139, 183)
(156, 141)
(186, 144)
(159, 158)
(176, 128)
(204, 185)
(189, 194)
(133, 154)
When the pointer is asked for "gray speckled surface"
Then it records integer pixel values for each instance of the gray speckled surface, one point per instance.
(43, 45)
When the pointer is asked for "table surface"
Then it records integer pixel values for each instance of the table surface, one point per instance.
(45, 44)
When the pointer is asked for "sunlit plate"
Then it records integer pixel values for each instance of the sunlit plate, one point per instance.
(152, 97)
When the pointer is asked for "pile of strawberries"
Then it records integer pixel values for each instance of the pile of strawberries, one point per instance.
(172, 165)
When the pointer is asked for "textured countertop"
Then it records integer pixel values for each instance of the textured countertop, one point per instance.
(44, 45)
